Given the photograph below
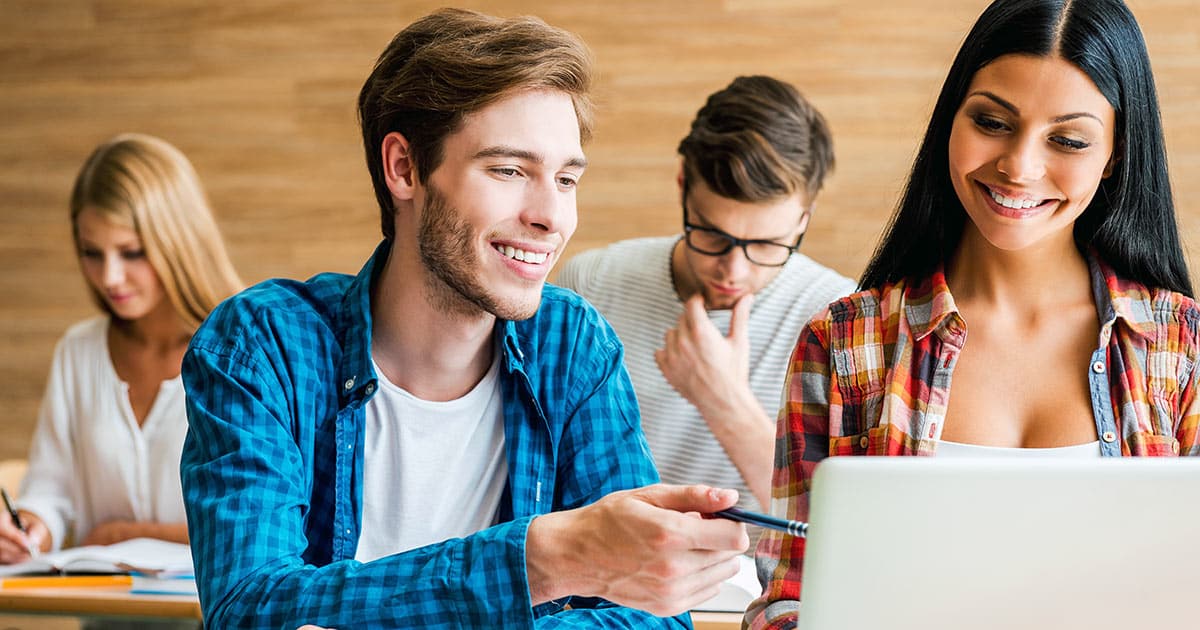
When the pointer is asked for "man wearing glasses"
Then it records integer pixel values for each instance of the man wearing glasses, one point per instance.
(755, 158)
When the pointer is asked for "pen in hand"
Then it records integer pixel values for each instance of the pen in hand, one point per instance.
(798, 529)
(16, 519)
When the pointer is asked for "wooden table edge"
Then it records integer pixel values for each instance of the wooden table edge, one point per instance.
(100, 600)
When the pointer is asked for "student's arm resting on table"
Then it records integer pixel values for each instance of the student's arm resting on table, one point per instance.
(111, 532)
(247, 490)
(810, 401)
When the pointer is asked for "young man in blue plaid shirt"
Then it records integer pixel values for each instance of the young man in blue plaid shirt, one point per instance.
(442, 440)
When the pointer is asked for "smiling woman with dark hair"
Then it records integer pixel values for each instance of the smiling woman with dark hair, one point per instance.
(1034, 262)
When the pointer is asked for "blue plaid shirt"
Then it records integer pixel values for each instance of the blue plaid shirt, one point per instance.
(278, 379)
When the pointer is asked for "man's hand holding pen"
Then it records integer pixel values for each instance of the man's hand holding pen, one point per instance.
(648, 548)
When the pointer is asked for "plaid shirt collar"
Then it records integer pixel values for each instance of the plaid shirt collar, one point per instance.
(929, 306)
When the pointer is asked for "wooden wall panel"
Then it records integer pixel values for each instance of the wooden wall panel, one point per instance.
(260, 94)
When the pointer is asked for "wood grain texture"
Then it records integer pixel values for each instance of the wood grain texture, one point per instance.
(260, 94)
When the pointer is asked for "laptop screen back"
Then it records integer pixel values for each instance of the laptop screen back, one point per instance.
(911, 542)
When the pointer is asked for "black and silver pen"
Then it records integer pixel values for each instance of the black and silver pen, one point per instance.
(16, 519)
(795, 528)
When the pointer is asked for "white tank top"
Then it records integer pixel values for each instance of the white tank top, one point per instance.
(958, 449)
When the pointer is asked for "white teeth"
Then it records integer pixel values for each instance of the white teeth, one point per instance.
(522, 255)
(1013, 203)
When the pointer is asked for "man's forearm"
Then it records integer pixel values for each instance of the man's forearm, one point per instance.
(547, 556)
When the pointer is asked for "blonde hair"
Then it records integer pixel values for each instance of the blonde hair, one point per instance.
(144, 183)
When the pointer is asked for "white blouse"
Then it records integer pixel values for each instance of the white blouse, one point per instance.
(90, 462)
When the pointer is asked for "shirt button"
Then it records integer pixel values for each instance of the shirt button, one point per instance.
(863, 441)
(371, 388)
(1109, 436)
(349, 384)
(349, 447)
(1098, 367)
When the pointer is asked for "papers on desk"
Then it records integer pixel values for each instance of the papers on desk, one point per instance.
(737, 592)
(149, 556)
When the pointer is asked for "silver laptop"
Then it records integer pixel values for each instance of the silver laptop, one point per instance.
(922, 543)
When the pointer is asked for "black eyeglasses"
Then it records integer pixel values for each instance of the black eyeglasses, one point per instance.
(713, 242)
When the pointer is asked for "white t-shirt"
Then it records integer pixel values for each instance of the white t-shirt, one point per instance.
(630, 283)
(431, 470)
(90, 462)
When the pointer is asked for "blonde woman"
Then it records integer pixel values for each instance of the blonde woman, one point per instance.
(104, 463)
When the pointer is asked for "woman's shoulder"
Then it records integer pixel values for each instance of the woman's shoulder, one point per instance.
(1177, 314)
(1150, 309)
(869, 303)
(81, 354)
(1174, 302)
(87, 335)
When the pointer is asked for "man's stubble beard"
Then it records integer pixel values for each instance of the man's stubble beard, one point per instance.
(446, 245)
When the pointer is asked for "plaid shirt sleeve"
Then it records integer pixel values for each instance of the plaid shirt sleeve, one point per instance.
(802, 441)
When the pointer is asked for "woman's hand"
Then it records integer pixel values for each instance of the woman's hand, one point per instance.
(15, 545)
(110, 532)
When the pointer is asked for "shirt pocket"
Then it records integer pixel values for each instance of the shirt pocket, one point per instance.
(1167, 375)
(859, 371)
(873, 441)
(1145, 444)
(859, 368)
(1163, 414)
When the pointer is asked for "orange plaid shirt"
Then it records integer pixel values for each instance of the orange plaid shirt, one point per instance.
(870, 375)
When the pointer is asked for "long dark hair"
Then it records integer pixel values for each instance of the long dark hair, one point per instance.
(1131, 220)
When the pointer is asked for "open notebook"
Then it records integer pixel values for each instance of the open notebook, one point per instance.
(141, 555)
